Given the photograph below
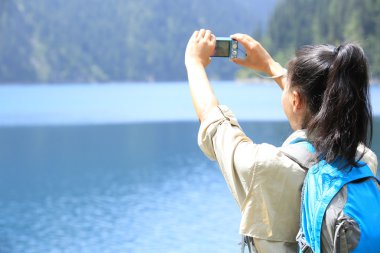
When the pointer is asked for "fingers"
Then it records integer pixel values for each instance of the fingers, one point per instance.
(242, 38)
(195, 35)
(242, 62)
(213, 38)
(210, 38)
(246, 40)
(203, 34)
(207, 34)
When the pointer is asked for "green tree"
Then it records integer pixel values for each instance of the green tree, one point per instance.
(298, 22)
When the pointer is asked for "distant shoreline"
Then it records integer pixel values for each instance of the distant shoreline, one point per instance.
(243, 81)
(259, 80)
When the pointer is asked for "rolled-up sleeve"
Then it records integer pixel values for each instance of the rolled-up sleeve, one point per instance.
(220, 137)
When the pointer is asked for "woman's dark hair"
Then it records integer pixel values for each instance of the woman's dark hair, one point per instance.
(335, 84)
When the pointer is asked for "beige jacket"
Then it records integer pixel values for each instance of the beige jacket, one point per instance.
(265, 183)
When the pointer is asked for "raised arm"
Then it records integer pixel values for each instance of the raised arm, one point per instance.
(259, 59)
(198, 51)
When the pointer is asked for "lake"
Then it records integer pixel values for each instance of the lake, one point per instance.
(116, 168)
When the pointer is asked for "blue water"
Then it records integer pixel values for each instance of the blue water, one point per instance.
(116, 168)
(117, 103)
(139, 102)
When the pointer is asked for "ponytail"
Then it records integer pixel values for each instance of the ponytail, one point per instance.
(335, 85)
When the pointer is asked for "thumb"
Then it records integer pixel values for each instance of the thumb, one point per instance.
(207, 62)
(239, 61)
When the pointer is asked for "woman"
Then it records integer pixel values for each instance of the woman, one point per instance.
(325, 98)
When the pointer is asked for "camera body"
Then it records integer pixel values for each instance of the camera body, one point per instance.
(226, 47)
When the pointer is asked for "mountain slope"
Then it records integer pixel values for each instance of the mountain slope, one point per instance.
(97, 41)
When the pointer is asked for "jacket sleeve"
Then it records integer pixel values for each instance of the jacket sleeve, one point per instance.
(220, 138)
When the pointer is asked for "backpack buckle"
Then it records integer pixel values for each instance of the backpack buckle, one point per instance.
(302, 244)
(248, 241)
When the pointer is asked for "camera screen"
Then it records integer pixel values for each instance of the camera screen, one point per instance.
(222, 48)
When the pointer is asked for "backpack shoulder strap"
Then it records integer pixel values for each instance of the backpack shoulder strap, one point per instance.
(300, 151)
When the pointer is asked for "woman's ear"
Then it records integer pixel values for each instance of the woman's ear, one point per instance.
(297, 102)
(299, 110)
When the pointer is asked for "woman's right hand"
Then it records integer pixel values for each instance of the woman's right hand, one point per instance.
(200, 48)
(257, 57)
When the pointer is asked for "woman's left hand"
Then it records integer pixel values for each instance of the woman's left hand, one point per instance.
(200, 48)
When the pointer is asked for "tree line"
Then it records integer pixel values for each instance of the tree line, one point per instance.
(295, 23)
(76, 41)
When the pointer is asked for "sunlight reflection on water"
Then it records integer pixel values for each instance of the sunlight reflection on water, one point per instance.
(188, 211)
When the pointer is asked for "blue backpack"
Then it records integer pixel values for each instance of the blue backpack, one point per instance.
(340, 209)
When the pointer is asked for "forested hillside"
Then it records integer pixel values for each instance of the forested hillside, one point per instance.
(54, 41)
(298, 22)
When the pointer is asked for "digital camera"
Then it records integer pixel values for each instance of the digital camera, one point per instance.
(226, 47)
